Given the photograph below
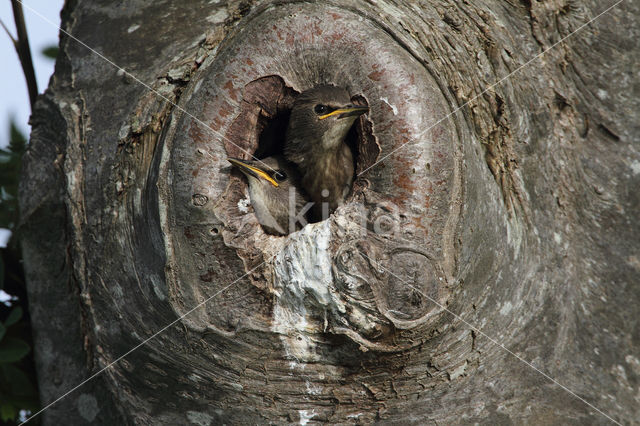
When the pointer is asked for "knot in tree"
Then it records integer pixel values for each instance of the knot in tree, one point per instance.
(333, 212)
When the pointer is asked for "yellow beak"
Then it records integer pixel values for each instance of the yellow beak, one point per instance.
(247, 168)
(347, 111)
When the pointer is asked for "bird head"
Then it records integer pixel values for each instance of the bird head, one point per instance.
(273, 185)
(271, 172)
(323, 114)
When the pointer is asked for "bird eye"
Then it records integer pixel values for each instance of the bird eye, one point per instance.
(279, 176)
(321, 109)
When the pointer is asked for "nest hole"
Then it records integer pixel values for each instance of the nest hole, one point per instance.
(260, 127)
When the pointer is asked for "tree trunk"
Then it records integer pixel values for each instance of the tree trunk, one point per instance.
(484, 269)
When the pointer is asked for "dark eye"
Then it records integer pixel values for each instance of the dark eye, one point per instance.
(321, 109)
(280, 176)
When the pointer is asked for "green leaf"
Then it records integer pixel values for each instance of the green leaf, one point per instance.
(7, 412)
(10, 165)
(17, 140)
(14, 316)
(50, 52)
(17, 383)
(17, 392)
(12, 350)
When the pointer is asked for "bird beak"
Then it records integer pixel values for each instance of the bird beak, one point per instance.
(248, 169)
(346, 111)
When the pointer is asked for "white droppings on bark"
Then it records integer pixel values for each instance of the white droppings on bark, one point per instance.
(243, 205)
(305, 416)
(393, 107)
(635, 167)
(132, 28)
(313, 389)
(303, 281)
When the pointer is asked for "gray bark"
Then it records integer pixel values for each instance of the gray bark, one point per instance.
(511, 216)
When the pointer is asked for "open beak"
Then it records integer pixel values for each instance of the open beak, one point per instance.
(346, 111)
(247, 168)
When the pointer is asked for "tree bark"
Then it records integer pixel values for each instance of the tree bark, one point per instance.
(485, 268)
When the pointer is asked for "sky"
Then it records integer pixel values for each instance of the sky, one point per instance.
(14, 98)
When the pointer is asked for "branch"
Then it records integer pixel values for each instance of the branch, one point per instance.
(24, 52)
(13, 40)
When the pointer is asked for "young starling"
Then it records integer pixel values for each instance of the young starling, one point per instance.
(279, 203)
(320, 120)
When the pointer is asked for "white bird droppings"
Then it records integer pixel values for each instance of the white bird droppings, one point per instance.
(305, 416)
(393, 107)
(302, 280)
(313, 389)
(243, 205)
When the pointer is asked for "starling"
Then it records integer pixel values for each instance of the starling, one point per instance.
(277, 200)
(320, 120)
